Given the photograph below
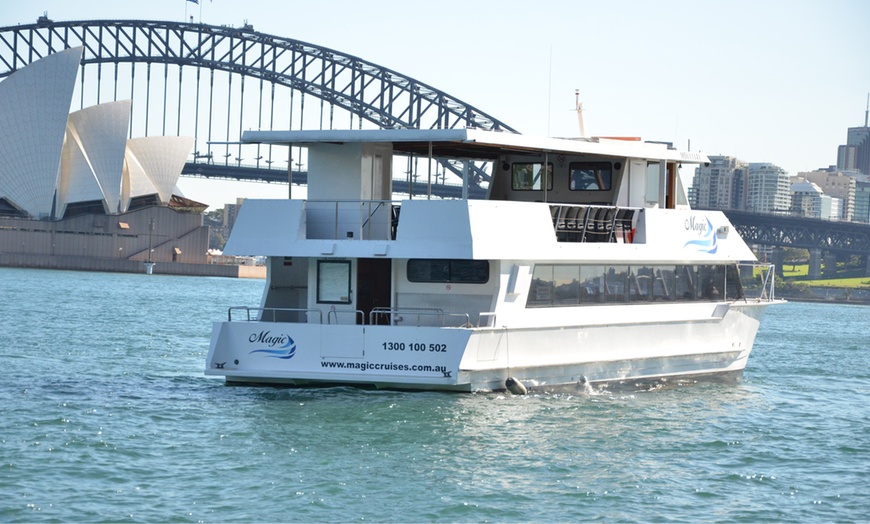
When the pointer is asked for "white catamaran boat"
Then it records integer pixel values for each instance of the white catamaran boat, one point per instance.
(583, 264)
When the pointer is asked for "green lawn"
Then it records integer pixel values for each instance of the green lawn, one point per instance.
(848, 283)
(799, 270)
(797, 274)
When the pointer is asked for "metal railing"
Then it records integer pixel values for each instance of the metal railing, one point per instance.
(418, 317)
(272, 314)
(378, 316)
(763, 281)
(352, 219)
(486, 319)
(333, 315)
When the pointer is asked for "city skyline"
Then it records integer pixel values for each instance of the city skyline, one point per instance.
(778, 82)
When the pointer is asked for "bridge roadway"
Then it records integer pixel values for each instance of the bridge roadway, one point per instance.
(271, 175)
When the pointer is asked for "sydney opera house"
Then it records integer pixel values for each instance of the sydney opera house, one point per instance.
(76, 193)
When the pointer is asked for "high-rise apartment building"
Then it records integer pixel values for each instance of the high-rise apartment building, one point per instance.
(720, 184)
(862, 202)
(231, 211)
(836, 184)
(808, 200)
(767, 188)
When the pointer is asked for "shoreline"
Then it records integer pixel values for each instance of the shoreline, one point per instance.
(827, 300)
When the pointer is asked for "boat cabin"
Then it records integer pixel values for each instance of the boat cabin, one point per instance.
(350, 254)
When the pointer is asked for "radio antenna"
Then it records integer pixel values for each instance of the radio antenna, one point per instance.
(578, 106)
(549, 89)
(867, 111)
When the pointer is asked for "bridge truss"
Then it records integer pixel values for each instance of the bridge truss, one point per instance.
(196, 80)
(785, 231)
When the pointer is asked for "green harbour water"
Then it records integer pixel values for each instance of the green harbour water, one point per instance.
(106, 416)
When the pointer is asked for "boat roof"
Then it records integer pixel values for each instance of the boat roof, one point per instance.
(477, 144)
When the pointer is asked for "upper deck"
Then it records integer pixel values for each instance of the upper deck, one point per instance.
(617, 172)
(546, 198)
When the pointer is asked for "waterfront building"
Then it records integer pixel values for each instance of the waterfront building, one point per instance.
(719, 184)
(862, 200)
(836, 184)
(34, 109)
(77, 193)
(767, 188)
(808, 200)
(60, 165)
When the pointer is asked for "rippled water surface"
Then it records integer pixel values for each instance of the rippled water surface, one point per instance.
(106, 416)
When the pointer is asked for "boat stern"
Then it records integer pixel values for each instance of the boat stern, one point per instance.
(318, 354)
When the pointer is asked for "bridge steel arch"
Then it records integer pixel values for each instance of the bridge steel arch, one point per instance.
(366, 94)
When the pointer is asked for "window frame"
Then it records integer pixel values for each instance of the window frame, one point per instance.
(454, 271)
(621, 284)
(596, 165)
(515, 186)
(336, 298)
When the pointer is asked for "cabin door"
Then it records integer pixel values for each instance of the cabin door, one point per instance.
(374, 286)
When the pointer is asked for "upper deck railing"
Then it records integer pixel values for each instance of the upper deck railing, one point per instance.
(583, 223)
(379, 219)
(352, 219)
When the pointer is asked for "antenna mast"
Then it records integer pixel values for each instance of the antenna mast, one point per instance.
(867, 111)
(579, 109)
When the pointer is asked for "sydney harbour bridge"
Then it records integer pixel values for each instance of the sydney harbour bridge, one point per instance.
(214, 82)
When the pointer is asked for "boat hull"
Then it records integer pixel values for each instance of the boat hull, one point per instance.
(481, 359)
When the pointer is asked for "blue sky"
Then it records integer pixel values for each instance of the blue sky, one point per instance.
(763, 80)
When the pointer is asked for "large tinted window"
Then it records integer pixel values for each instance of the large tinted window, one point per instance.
(448, 271)
(579, 284)
(528, 176)
(590, 176)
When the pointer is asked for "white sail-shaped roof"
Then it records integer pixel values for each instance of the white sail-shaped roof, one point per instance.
(93, 161)
(161, 159)
(77, 182)
(34, 106)
(135, 182)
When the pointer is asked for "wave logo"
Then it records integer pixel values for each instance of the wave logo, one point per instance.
(279, 346)
(704, 228)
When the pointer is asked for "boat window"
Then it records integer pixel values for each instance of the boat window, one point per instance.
(665, 284)
(526, 176)
(333, 281)
(541, 292)
(590, 176)
(592, 279)
(641, 284)
(711, 282)
(566, 284)
(581, 284)
(686, 280)
(616, 284)
(448, 271)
